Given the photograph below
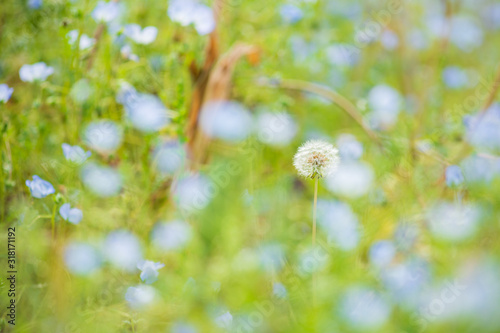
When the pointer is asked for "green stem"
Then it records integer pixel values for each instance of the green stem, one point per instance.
(53, 221)
(316, 180)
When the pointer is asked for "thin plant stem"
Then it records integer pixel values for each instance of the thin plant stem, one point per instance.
(53, 221)
(316, 179)
(314, 211)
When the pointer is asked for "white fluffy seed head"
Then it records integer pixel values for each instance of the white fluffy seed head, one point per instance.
(316, 158)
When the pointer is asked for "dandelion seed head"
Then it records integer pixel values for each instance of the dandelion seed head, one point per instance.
(316, 158)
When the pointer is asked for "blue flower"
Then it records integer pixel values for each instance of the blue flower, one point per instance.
(385, 103)
(81, 258)
(291, 13)
(106, 11)
(103, 181)
(364, 308)
(226, 120)
(482, 129)
(171, 235)
(35, 4)
(276, 129)
(454, 77)
(454, 176)
(349, 147)
(279, 290)
(123, 250)
(140, 296)
(146, 112)
(149, 270)
(141, 36)
(5, 93)
(188, 12)
(225, 320)
(39, 188)
(85, 41)
(104, 136)
(75, 154)
(36, 72)
(453, 221)
(72, 215)
(169, 157)
(193, 192)
(382, 253)
(340, 223)
(81, 91)
(352, 179)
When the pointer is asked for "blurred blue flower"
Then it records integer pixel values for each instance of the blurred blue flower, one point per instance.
(126, 52)
(339, 222)
(417, 39)
(340, 54)
(72, 215)
(36, 72)
(146, 112)
(406, 280)
(455, 77)
(491, 16)
(102, 181)
(86, 42)
(170, 236)
(466, 33)
(279, 290)
(291, 13)
(453, 221)
(311, 260)
(39, 188)
(181, 327)
(193, 192)
(275, 129)
(352, 179)
(5, 93)
(169, 157)
(224, 320)
(482, 129)
(188, 12)
(454, 176)
(385, 103)
(301, 49)
(81, 258)
(364, 308)
(140, 296)
(479, 169)
(104, 136)
(349, 147)
(389, 39)
(382, 253)
(81, 91)
(75, 154)
(149, 270)
(141, 36)
(122, 249)
(35, 4)
(226, 120)
(272, 257)
(106, 11)
(405, 236)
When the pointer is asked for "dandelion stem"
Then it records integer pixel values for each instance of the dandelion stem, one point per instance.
(314, 237)
(53, 221)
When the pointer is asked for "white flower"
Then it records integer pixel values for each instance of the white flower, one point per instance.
(36, 72)
(316, 158)
(149, 270)
(85, 41)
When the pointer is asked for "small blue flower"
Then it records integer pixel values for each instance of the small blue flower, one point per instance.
(75, 154)
(225, 320)
(72, 215)
(147, 112)
(188, 12)
(382, 253)
(106, 11)
(36, 72)
(101, 180)
(141, 36)
(149, 270)
(291, 13)
(123, 250)
(172, 235)
(279, 290)
(226, 120)
(86, 42)
(39, 188)
(169, 157)
(454, 176)
(5, 93)
(35, 4)
(140, 296)
(104, 136)
(81, 258)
